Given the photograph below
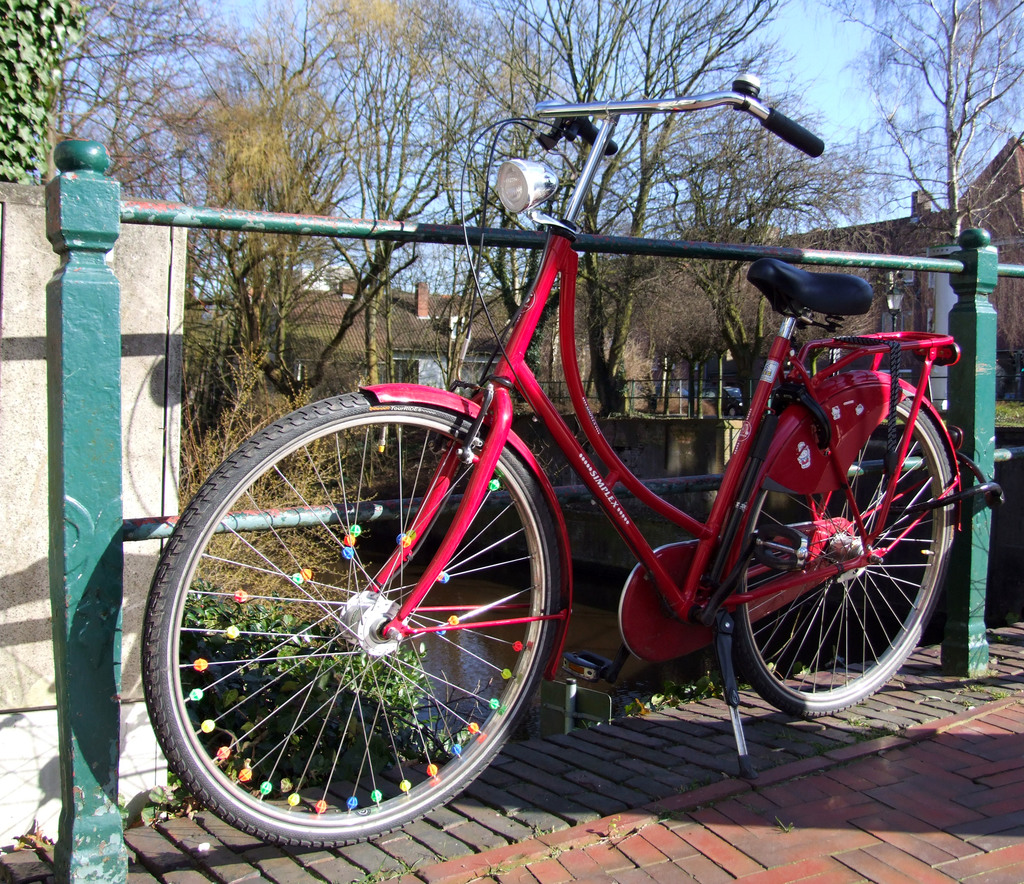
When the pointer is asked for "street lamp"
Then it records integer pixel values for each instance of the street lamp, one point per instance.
(894, 294)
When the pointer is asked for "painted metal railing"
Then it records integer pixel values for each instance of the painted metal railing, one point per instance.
(86, 563)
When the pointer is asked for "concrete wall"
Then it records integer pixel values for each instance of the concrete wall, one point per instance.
(150, 264)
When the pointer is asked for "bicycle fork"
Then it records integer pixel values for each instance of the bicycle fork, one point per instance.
(498, 407)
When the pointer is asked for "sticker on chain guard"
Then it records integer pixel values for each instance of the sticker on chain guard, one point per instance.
(855, 403)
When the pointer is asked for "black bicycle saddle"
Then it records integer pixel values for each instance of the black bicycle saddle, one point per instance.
(790, 290)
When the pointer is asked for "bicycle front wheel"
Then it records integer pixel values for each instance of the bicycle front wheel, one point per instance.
(273, 691)
(840, 641)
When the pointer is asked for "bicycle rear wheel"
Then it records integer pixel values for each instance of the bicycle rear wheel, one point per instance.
(840, 641)
(275, 696)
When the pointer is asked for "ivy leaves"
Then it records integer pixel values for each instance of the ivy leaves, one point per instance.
(33, 35)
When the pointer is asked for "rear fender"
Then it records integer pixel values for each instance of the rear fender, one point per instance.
(413, 394)
(855, 403)
(928, 407)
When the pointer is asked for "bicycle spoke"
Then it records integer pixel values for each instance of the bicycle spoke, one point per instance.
(303, 720)
(838, 642)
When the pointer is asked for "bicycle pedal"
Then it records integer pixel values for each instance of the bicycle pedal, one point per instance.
(585, 665)
(781, 548)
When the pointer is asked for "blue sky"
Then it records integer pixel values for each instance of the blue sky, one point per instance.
(823, 50)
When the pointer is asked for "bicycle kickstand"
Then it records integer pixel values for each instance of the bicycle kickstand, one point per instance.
(724, 626)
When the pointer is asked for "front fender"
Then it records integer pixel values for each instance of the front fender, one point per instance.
(413, 394)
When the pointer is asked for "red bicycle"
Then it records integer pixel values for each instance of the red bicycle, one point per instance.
(360, 602)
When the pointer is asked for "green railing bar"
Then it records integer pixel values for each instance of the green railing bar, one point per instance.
(157, 527)
(1002, 455)
(178, 215)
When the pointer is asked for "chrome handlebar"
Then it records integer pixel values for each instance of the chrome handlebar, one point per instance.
(748, 103)
(770, 118)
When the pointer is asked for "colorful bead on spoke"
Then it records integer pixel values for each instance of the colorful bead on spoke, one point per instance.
(443, 577)
(506, 674)
(493, 485)
(431, 770)
(201, 665)
(376, 795)
(207, 726)
(223, 753)
(352, 803)
(294, 799)
(405, 785)
(266, 787)
(195, 695)
(244, 775)
(232, 632)
(347, 552)
(320, 806)
(242, 596)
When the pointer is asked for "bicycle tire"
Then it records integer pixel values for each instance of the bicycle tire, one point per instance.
(841, 640)
(271, 691)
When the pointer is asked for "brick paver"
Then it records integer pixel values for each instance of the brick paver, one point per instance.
(938, 797)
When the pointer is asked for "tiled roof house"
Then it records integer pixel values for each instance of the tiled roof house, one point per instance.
(418, 329)
(1000, 191)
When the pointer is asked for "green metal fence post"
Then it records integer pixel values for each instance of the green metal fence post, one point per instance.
(86, 562)
(972, 398)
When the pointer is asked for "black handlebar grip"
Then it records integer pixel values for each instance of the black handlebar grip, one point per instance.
(588, 132)
(794, 133)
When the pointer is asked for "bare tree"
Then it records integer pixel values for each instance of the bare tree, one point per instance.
(406, 117)
(331, 109)
(596, 49)
(132, 82)
(948, 78)
(271, 139)
(743, 185)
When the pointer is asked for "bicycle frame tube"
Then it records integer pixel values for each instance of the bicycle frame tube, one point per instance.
(559, 263)
(679, 591)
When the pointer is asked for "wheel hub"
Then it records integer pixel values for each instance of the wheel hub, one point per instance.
(844, 547)
(363, 620)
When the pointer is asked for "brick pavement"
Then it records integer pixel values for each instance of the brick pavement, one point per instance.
(922, 782)
(943, 801)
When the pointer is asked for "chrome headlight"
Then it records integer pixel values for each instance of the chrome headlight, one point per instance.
(523, 184)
